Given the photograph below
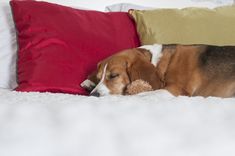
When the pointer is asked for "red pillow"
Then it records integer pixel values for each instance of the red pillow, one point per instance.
(59, 46)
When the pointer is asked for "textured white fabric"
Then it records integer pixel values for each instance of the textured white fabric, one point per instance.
(124, 7)
(150, 124)
(216, 1)
(8, 47)
(142, 5)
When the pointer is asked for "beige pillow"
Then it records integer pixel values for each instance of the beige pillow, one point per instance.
(186, 26)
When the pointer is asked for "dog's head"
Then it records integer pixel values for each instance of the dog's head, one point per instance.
(116, 72)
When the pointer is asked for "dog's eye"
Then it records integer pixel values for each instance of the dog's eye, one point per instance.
(114, 75)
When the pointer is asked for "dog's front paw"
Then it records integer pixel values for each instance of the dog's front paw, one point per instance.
(88, 85)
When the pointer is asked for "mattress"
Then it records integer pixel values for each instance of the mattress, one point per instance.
(148, 124)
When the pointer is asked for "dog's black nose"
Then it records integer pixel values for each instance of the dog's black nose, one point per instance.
(95, 94)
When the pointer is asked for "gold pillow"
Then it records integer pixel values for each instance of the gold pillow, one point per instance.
(186, 26)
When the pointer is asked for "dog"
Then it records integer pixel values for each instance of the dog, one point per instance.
(187, 70)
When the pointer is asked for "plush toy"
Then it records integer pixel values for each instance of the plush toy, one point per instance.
(138, 86)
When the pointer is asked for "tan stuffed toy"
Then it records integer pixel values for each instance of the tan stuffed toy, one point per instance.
(138, 86)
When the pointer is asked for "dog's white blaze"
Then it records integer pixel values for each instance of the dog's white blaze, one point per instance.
(156, 51)
(101, 88)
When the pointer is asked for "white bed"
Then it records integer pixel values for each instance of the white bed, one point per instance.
(36, 124)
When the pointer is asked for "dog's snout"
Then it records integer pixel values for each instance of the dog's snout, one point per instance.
(95, 94)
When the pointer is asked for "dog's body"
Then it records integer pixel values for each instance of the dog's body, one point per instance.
(195, 70)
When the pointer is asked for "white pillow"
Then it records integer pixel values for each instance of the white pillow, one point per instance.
(223, 2)
(8, 48)
(124, 7)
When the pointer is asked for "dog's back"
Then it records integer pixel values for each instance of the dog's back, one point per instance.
(218, 61)
(218, 66)
(201, 70)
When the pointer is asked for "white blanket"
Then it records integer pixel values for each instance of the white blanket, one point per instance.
(150, 124)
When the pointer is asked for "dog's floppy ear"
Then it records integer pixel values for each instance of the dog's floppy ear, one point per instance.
(144, 70)
(145, 53)
(92, 77)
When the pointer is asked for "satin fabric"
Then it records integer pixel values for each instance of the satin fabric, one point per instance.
(186, 26)
(59, 46)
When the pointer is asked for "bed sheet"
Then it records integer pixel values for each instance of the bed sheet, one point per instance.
(150, 124)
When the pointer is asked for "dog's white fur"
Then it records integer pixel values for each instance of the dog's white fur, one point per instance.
(156, 51)
(101, 88)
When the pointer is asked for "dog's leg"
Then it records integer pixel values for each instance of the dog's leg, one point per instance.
(176, 90)
(90, 83)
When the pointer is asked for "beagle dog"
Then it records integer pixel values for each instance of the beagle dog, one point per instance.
(190, 70)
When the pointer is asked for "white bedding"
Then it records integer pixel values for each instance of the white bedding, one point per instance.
(150, 124)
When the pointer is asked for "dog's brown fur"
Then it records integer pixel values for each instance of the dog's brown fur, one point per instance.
(195, 70)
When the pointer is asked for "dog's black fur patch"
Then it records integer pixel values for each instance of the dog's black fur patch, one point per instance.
(218, 61)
